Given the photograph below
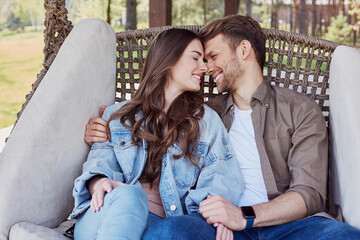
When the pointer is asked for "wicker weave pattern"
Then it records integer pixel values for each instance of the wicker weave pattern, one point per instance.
(293, 61)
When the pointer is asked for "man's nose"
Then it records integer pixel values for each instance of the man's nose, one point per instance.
(210, 69)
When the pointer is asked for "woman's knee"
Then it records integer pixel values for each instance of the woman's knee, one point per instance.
(128, 196)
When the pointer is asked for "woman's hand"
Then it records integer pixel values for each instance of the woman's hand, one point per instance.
(98, 187)
(223, 233)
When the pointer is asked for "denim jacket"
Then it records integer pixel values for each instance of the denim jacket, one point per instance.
(182, 185)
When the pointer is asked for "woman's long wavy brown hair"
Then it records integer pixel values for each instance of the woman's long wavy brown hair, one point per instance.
(145, 115)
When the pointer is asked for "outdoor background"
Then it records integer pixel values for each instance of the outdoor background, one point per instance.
(21, 30)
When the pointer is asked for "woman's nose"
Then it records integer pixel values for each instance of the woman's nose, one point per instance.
(203, 67)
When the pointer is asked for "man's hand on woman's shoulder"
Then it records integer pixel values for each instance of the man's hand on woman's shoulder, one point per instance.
(96, 129)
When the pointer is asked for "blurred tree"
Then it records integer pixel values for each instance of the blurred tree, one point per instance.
(303, 17)
(13, 23)
(108, 12)
(339, 30)
(231, 7)
(354, 12)
(131, 21)
(248, 7)
(184, 12)
(274, 13)
(314, 18)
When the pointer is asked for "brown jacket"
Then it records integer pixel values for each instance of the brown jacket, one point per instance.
(291, 137)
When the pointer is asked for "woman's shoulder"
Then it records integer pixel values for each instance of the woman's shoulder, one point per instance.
(210, 116)
(113, 108)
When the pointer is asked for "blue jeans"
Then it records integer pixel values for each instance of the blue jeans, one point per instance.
(193, 226)
(124, 215)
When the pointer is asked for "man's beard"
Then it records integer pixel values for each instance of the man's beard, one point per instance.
(231, 71)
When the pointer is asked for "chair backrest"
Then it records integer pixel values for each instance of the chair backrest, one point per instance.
(293, 61)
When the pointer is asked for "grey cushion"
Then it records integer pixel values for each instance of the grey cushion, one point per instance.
(46, 150)
(345, 132)
(30, 231)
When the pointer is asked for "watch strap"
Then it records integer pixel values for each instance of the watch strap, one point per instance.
(249, 223)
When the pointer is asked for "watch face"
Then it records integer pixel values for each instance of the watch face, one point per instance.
(248, 212)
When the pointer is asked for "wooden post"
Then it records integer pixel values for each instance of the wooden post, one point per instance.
(159, 13)
(231, 7)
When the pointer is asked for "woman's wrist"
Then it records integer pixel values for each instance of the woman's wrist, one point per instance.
(91, 182)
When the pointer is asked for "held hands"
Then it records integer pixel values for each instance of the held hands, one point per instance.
(222, 232)
(217, 209)
(98, 187)
(96, 129)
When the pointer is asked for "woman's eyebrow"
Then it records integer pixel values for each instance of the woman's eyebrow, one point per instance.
(199, 53)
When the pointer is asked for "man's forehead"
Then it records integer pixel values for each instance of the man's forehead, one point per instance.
(215, 44)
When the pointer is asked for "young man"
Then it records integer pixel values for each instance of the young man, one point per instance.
(281, 145)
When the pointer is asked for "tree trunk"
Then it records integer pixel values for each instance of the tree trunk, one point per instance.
(204, 9)
(108, 12)
(292, 17)
(302, 23)
(274, 14)
(354, 19)
(297, 14)
(231, 7)
(314, 18)
(320, 22)
(248, 7)
(342, 7)
(130, 15)
(33, 24)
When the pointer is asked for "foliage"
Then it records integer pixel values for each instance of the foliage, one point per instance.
(262, 13)
(339, 30)
(184, 12)
(16, 14)
(355, 11)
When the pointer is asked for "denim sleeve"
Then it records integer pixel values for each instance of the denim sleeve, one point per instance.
(220, 174)
(101, 161)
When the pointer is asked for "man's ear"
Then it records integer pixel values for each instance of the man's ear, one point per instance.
(244, 49)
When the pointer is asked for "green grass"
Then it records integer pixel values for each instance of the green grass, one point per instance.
(20, 60)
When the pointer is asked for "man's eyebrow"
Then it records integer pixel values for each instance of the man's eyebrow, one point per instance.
(207, 54)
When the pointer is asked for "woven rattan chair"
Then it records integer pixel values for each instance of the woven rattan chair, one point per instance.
(301, 63)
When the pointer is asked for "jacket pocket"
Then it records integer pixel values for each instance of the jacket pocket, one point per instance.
(121, 139)
(185, 173)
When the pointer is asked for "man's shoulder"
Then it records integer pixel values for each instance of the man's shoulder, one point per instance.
(291, 96)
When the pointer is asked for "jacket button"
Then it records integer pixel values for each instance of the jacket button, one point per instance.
(165, 164)
(172, 207)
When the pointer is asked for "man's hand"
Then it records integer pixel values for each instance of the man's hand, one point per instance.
(217, 209)
(222, 232)
(98, 187)
(96, 129)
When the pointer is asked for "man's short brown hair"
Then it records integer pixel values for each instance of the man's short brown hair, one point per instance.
(235, 29)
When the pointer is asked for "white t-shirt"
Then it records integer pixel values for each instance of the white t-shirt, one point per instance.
(243, 140)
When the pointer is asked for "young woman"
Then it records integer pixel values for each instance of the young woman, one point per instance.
(166, 152)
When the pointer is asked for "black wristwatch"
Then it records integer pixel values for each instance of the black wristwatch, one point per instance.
(249, 215)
